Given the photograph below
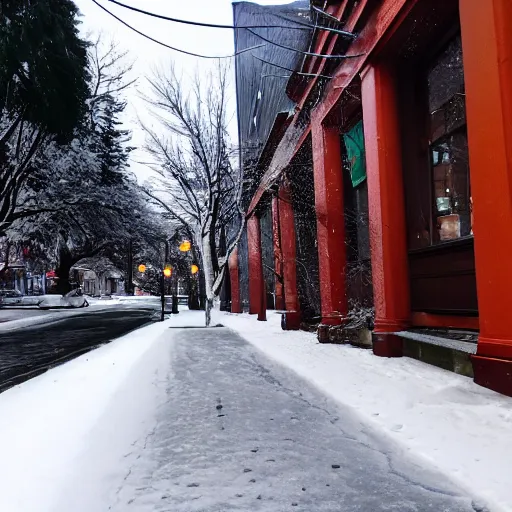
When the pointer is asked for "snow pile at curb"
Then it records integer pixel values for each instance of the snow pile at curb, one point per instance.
(47, 423)
(462, 429)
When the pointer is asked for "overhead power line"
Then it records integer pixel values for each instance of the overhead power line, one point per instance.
(172, 47)
(312, 54)
(326, 14)
(288, 69)
(307, 26)
(343, 33)
(276, 76)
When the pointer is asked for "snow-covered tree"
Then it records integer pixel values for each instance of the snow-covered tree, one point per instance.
(80, 199)
(43, 88)
(199, 187)
(109, 70)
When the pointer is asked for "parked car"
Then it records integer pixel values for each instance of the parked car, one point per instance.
(31, 300)
(11, 298)
(73, 299)
(14, 298)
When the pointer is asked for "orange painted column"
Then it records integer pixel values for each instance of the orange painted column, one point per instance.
(386, 209)
(332, 255)
(487, 51)
(278, 255)
(291, 319)
(234, 277)
(256, 281)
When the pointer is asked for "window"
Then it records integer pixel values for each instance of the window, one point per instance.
(449, 146)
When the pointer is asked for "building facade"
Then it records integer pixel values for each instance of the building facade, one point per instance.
(388, 184)
(97, 276)
(19, 270)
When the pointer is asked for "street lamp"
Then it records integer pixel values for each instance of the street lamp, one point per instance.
(185, 246)
(142, 268)
(194, 269)
(166, 274)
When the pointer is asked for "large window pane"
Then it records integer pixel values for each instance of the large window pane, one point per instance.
(448, 145)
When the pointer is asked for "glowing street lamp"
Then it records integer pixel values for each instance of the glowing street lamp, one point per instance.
(185, 246)
(167, 272)
(142, 268)
(194, 269)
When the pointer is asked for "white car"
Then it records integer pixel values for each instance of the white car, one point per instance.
(11, 298)
(73, 299)
(14, 298)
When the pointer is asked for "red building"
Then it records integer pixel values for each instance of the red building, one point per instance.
(405, 135)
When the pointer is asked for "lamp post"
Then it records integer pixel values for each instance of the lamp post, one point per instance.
(166, 272)
(162, 295)
(130, 268)
(184, 247)
(175, 309)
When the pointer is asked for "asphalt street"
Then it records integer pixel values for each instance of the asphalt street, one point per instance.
(30, 351)
(239, 432)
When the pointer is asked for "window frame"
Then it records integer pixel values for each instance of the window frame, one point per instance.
(428, 65)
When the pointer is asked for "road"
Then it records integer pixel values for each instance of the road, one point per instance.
(11, 314)
(29, 351)
(238, 432)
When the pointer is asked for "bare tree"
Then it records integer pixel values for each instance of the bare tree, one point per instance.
(109, 69)
(198, 184)
(80, 199)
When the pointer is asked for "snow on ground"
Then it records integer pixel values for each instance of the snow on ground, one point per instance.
(236, 431)
(137, 425)
(124, 299)
(62, 434)
(463, 429)
(45, 423)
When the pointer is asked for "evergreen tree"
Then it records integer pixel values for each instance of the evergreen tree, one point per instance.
(109, 73)
(43, 89)
(113, 152)
(43, 64)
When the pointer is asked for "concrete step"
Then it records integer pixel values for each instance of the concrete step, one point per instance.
(450, 354)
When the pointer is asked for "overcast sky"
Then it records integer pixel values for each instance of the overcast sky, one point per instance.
(148, 55)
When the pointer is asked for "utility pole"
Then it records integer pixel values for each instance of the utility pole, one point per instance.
(130, 268)
(162, 281)
(162, 294)
(166, 256)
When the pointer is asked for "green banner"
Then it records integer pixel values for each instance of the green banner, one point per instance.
(354, 143)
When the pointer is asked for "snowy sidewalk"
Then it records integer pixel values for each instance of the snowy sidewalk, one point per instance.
(226, 428)
(170, 419)
(461, 428)
(197, 420)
